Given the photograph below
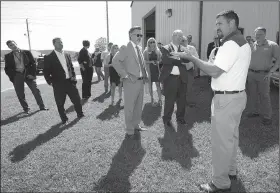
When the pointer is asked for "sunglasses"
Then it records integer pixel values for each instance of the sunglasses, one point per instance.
(138, 35)
(152, 42)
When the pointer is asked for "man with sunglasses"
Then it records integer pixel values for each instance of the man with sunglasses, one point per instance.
(129, 64)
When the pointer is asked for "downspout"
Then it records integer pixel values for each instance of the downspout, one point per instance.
(200, 30)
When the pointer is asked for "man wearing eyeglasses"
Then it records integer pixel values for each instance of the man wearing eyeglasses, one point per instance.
(129, 63)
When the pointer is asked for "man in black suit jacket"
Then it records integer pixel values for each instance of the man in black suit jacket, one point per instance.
(59, 73)
(20, 67)
(173, 75)
(86, 68)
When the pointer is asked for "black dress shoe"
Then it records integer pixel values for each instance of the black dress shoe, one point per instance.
(27, 111)
(81, 116)
(210, 188)
(182, 122)
(65, 122)
(168, 123)
(44, 109)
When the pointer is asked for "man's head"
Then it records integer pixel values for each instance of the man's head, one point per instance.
(97, 49)
(58, 44)
(159, 44)
(86, 44)
(189, 38)
(184, 41)
(248, 38)
(109, 46)
(135, 34)
(260, 34)
(12, 45)
(177, 36)
(227, 22)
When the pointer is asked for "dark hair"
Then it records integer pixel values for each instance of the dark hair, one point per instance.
(53, 41)
(230, 15)
(132, 29)
(10, 41)
(110, 44)
(261, 28)
(86, 43)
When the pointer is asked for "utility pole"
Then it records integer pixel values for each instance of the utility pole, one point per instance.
(28, 34)
(107, 18)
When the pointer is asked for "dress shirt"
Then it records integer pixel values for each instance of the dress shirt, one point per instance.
(175, 69)
(134, 46)
(62, 60)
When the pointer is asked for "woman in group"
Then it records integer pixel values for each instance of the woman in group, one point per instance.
(114, 76)
(96, 56)
(152, 57)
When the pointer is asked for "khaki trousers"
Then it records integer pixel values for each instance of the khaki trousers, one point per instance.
(226, 112)
(133, 104)
(258, 87)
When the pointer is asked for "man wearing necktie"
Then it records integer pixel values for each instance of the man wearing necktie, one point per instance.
(129, 63)
(173, 75)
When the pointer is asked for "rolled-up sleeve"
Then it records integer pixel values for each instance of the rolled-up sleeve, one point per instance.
(227, 55)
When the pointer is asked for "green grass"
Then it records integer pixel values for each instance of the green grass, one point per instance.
(39, 155)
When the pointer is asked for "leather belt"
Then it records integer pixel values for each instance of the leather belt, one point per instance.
(140, 78)
(258, 71)
(174, 75)
(227, 92)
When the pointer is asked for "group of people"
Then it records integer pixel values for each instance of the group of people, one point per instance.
(171, 66)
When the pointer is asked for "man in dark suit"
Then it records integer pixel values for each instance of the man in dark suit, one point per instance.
(174, 77)
(86, 68)
(20, 67)
(60, 74)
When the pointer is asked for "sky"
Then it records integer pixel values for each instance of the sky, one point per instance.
(73, 21)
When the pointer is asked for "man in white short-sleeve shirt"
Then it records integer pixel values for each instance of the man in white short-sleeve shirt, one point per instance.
(228, 72)
(104, 54)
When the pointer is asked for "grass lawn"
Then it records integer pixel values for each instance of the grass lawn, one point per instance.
(39, 155)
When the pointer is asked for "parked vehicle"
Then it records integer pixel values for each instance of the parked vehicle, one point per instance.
(275, 78)
(40, 64)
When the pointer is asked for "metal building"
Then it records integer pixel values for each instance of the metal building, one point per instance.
(160, 18)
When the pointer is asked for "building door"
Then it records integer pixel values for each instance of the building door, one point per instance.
(149, 27)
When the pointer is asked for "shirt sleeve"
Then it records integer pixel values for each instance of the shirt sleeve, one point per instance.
(227, 55)
(275, 51)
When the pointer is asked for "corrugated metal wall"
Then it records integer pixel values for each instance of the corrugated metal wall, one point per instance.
(185, 16)
(251, 15)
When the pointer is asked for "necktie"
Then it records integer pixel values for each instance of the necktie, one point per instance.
(141, 63)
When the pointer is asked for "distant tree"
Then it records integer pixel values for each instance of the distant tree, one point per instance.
(101, 43)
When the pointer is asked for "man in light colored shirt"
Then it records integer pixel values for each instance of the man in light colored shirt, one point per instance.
(129, 64)
(229, 73)
(261, 68)
(104, 54)
(191, 69)
(174, 77)
(59, 73)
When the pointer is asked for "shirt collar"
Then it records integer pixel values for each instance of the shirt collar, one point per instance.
(59, 52)
(133, 44)
(17, 51)
(236, 32)
(264, 43)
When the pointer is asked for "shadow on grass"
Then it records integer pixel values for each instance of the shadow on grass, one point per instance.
(102, 97)
(125, 161)
(254, 137)
(237, 186)
(21, 151)
(72, 108)
(17, 117)
(150, 114)
(111, 112)
(178, 146)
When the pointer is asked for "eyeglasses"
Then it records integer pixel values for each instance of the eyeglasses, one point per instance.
(138, 35)
(152, 42)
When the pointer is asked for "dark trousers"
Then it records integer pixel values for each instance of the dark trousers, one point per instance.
(174, 91)
(87, 78)
(19, 80)
(60, 90)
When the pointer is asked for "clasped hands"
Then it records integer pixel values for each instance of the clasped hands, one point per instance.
(184, 55)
